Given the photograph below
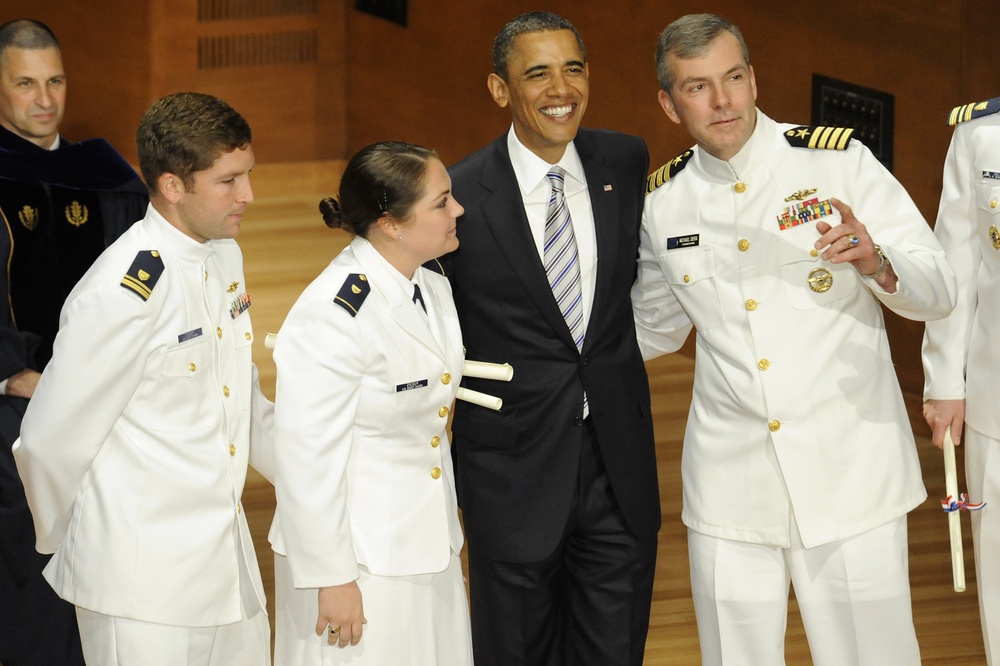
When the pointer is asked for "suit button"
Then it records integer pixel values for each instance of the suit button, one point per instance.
(446, 378)
(578, 421)
(751, 304)
(436, 473)
(218, 332)
(687, 278)
(744, 245)
(192, 367)
(763, 364)
(225, 391)
(232, 449)
(443, 412)
(247, 336)
(774, 426)
(435, 441)
(740, 188)
(814, 252)
(584, 360)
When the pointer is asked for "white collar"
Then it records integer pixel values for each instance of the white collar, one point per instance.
(531, 170)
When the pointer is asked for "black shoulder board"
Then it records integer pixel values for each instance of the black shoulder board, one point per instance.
(353, 293)
(975, 110)
(435, 266)
(821, 138)
(668, 171)
(143, 273)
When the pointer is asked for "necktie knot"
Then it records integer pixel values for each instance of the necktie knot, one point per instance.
(557, 177)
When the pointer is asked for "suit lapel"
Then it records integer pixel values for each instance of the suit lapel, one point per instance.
(602, 183)
(503, 212)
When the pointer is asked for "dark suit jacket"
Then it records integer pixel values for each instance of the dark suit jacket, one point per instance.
(517, 469)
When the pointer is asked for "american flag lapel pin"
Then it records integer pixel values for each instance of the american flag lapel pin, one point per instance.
(608, 188)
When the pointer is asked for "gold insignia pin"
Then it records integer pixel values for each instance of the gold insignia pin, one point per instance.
(981, 106)
(801, 194)
(77, 214)
(995, 237)
(29, 217)
(355, 289)
(143, 275)
(233, 286)
(820, 280)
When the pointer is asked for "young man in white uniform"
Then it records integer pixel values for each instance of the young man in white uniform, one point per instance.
(134, 449)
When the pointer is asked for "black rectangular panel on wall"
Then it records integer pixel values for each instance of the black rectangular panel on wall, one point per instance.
(390, 10)
(870, 112)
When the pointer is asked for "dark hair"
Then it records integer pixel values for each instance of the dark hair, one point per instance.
(26, 34)
(689, 37)
(383, 178)
(185, 133)
(503, 45)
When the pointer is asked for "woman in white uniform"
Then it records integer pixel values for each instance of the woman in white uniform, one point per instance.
(369, 359)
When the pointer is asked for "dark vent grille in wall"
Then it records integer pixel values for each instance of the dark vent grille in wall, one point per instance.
(260, 50)
(221, 10)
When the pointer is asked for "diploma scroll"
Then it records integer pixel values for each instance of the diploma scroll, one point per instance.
(501, 372)
(954, 517)
(481, 399)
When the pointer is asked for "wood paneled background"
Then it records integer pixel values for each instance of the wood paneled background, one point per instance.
(318, 80)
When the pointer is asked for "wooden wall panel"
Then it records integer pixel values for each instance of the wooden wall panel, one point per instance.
(296, 109)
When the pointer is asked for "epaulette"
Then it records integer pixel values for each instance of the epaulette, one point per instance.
(960, 114)
(819, 137)
(353, 293)
(143, 273)
(435, 266)
(668, 171)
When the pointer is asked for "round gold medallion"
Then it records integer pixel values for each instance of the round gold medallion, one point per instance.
(820, 280)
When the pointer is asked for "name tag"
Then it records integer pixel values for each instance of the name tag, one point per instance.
(184, 337)
(682, 241)
(993, 175)
(409, 386)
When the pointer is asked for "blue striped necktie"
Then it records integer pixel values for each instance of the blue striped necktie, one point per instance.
(562, 259)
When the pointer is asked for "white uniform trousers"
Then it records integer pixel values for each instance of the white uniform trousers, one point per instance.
(982, 474)
(418, 620)
(118, 641)
(853, 595)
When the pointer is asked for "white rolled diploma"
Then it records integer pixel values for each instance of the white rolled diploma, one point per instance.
(954, 517)
(501, 372)
(269, 340)
(481, 399)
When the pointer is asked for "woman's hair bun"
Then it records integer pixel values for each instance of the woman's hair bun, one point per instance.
(333, 215)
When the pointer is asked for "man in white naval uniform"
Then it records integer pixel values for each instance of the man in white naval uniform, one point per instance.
(799, 465)
(961, 362)
(134, 449)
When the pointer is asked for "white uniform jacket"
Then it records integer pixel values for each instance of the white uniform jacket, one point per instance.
(363, 463)
(796, 405)
(960, 354)
(134, 448)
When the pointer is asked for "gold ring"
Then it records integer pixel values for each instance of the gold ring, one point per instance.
(334, 630)
(852, 240)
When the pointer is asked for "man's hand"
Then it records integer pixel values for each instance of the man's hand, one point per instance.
(942, 414)
(22, 385)
(849, 242)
